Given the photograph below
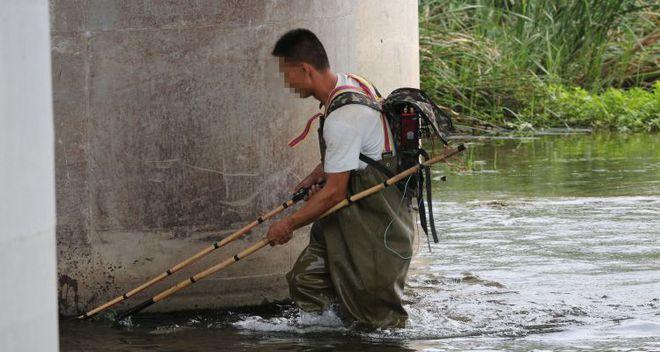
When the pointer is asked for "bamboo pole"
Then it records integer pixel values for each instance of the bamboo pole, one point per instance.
(264, 241)
(296, 197)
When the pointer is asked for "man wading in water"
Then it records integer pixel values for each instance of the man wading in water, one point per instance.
(357, 257)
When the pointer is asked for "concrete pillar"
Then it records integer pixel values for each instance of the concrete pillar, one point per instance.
(388, 43)
(27, 180)
(171, 129)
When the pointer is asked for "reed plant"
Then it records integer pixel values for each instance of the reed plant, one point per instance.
(501, 61)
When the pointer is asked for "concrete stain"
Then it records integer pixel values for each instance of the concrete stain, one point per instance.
(66, 285)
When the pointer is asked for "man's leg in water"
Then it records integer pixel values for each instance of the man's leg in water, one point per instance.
(310, 286)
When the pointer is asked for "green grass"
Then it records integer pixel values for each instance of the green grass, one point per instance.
(518, 63)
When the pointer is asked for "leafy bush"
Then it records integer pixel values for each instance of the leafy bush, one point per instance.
(624, 110)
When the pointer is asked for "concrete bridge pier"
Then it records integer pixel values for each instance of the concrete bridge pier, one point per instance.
(171, 127)
(28, 319)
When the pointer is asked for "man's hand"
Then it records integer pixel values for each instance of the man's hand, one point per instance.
(313, 181)
(315, 188)
(313, 185)
(280, 232)
(335, 190)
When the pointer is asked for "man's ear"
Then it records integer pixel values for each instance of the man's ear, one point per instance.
(308, 70)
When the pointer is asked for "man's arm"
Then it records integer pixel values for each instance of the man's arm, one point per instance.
(343, 143)
(334, 191)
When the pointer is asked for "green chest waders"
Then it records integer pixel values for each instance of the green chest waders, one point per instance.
(358, 257)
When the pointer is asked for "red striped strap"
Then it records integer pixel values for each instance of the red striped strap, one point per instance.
(365, 88)
(386, 131)
(305, 132)
(338, 90)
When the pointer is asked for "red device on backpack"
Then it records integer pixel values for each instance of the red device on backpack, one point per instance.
(408, 136)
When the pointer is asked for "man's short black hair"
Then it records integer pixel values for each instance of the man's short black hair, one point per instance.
(301, 45)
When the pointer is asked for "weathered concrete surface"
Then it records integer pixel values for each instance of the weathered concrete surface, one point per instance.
(388, 42)
(27, 180)
(171, 130)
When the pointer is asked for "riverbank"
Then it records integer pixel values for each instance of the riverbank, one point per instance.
(532, 65)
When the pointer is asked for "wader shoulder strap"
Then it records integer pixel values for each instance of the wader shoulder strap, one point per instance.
(378, 166)
(383, 170)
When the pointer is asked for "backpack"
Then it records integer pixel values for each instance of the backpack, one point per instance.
(408, 116)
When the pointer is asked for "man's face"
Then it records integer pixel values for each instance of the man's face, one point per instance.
(296, 77)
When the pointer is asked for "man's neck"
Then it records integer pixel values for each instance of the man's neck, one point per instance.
(327, 82)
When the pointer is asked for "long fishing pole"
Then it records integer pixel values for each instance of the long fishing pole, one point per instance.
(296, 197)
(264, 241)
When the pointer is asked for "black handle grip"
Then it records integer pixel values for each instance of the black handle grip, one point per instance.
(302, 193)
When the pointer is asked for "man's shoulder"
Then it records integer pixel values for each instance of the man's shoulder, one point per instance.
(349, 121)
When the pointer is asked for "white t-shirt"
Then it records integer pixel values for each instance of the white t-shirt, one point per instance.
(350, 130)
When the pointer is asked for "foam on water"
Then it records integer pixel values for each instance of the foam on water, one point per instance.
(294, 321)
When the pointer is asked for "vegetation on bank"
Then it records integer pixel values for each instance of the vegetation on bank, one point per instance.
(525, 64)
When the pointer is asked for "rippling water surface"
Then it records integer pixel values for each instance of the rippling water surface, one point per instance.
(548, 243)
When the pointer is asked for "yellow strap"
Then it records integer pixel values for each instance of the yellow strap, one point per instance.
(366, 83)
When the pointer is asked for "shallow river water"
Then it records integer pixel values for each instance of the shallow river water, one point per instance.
(548, 243)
